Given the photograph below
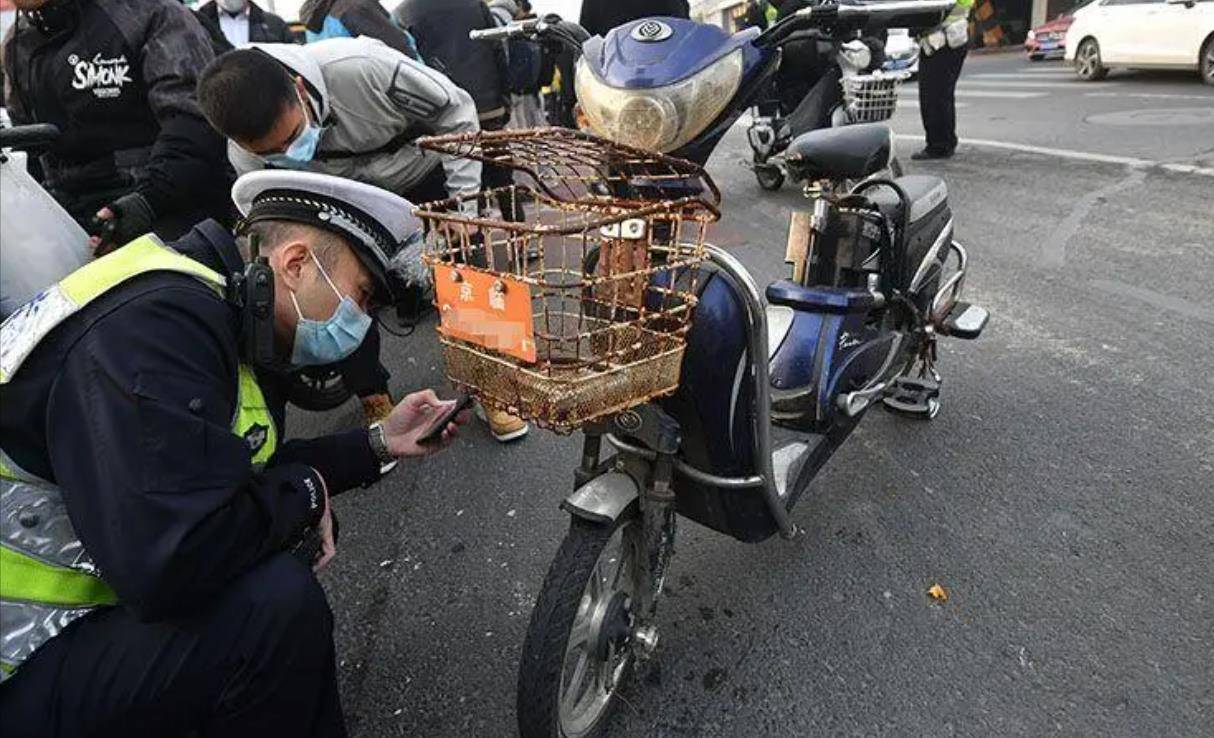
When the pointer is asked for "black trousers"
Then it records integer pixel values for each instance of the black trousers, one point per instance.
(361, 371)
(938, 73)
(494, 177)
(257, 662)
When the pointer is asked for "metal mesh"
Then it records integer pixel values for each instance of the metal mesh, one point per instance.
(598, 253)
(870, 98)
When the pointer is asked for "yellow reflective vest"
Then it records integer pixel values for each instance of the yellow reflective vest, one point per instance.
(47, 579)
(953, 31)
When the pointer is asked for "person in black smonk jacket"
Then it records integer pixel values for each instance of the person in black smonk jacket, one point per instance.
(117, 77)
(600, 16)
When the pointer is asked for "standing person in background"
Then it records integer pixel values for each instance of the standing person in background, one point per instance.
(351, 19)
(244, 22)
(441, 29)
(760, 14)
(525, 65)
(117, 77)
(944, 49)
(600, 16)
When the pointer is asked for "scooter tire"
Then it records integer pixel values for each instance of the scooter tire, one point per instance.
(546, 647)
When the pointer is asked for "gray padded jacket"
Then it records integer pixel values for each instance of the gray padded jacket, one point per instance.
(373, 102)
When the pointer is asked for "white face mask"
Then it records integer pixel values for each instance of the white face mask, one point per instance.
(232, 6)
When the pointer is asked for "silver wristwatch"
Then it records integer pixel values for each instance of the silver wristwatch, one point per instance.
(379, 446)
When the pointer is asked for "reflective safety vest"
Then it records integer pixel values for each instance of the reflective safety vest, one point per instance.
(47, 579)
(952, 32)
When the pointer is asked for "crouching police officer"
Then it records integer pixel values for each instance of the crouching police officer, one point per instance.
(149, 500)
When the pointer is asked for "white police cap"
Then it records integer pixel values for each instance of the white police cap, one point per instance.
(377, 223)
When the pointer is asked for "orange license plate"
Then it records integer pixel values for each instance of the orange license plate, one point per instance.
(487, 310)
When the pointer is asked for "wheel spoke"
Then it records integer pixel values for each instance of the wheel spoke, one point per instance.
(575, 687)
(598, 680)
(580, 634)
(594, 588)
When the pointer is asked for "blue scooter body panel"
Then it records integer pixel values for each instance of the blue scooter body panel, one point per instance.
(822, 355)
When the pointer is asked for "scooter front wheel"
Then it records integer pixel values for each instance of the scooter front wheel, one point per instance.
(578, 650)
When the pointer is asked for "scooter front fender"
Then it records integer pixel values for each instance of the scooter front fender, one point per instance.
(604, 499)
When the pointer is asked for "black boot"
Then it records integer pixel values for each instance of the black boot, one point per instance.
(930, 153)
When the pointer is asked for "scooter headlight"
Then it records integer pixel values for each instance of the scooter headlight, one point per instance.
(661, 118)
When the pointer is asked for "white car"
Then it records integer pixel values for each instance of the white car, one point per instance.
(1142, 34)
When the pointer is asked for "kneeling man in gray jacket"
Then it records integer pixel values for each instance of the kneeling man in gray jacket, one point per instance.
(350, 107)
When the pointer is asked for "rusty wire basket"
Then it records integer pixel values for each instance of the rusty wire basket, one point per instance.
(580, 309)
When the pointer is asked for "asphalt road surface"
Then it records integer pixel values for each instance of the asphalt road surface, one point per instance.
(1064, 497)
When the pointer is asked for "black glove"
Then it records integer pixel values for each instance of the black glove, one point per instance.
(133, 217)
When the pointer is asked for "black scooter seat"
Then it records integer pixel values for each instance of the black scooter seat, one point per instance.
(924, 191)
(849, 152)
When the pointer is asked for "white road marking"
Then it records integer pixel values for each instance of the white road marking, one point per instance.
(1155, 299)
(1007, 94)
(1019, 75)
(1189, 169)
(1128, 161)
(1046, 70)
(913, 102)
(1076, 85)
(1151, 95)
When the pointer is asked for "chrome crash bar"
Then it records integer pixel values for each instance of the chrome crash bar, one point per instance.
(733, 271)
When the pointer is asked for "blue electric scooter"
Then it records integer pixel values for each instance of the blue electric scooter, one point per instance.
(769, 388)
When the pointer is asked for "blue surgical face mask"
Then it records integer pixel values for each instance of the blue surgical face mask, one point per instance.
(319, 342)
(302, 149)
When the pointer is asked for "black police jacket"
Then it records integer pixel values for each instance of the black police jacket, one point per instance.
(127, 406)
(119, 83)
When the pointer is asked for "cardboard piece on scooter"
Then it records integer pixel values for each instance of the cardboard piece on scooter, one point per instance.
(797, 250)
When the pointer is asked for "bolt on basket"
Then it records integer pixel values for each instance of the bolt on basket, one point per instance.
(580, 309)
(871, 98)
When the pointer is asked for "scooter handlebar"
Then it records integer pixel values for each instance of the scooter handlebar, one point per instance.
(826, 14)
(510, 30)
(30, 137)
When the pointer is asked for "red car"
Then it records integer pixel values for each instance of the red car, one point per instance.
(1048, 40)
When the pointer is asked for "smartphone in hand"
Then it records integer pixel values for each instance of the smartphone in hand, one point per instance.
(434, 431)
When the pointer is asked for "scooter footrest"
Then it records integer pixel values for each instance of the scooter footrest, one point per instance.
(913, 396)
(964, 321)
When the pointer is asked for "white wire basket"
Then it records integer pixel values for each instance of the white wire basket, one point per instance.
(870, 98)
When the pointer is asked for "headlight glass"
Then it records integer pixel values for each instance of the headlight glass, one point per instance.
(661, 118)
